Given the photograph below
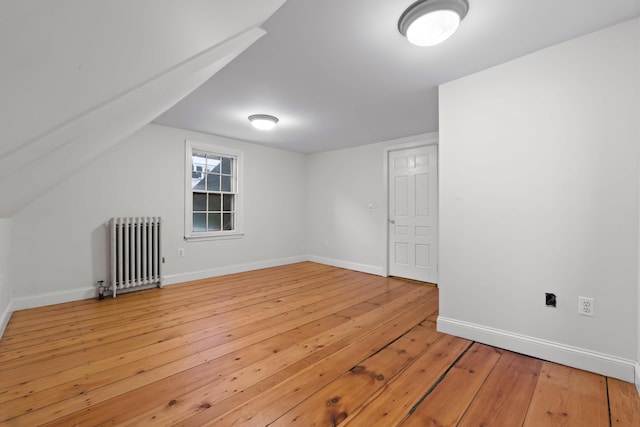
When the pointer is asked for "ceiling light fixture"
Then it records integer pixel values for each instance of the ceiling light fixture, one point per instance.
(263, 121)
(429, 22)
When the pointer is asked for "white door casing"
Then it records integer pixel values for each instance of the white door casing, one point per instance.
(413, 210)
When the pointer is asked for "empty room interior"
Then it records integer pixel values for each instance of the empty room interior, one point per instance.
(320, 213)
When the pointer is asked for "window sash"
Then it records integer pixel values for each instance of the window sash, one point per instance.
(212, 192)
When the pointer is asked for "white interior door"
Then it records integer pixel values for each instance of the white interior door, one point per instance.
(413, 213)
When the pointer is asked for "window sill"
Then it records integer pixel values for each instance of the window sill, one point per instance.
(227, 236)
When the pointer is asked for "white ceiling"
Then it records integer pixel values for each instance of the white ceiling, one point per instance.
(338, 73)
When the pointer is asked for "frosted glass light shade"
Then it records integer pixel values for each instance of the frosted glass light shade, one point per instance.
(429, 22)
(263, 121)
(433, 28)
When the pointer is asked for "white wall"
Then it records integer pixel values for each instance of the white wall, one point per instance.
(5, 290)
(342, 184)
(638, 304)
(539, 161)
(637, 370)
(59, 242)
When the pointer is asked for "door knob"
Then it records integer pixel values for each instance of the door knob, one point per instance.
(392, 221)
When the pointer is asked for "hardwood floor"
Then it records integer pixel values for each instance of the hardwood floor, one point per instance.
(299, 345)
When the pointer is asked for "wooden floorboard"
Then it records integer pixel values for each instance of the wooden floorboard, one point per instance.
(566, 396)
(624, 403)
(505, 396)
(438, 408)
(303, 344)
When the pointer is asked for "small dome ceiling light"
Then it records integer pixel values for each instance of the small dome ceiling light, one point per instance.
(263, 121)
(429, 22)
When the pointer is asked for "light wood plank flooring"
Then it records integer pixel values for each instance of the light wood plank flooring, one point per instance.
(299, 345)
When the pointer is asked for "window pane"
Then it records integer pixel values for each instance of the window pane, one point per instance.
(198, 162)
(199, 222)
(196, 172)
(226, 183)
(199, 202)
(197, 183)
(213, 182)
(214, 222)
(213, 164)
(226, 165)
(227, 221)
(214, 202)
(227, 204)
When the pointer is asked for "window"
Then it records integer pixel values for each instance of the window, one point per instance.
(212, 203)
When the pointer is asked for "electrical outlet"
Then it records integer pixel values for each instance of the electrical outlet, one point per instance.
(550, 299)
(586, 306)
(180, 252)
(326, 242)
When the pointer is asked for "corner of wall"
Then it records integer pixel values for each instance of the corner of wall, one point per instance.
(6, 302)
(5, 317)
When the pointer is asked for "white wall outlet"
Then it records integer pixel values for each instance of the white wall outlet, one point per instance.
(326, 242)
(586, 306)
(181, 252)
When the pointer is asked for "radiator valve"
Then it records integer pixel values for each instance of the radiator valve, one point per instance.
(101, 289)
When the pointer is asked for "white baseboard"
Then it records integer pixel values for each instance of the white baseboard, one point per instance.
(232, 269)
(6, 315)
(364, 268)
(575, 357)
(50, 298)
(638, 376)
(44, 299)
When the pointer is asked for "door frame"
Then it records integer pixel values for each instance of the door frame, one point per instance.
(412, 142)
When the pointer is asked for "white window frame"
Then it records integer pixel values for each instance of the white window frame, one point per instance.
(189, 234)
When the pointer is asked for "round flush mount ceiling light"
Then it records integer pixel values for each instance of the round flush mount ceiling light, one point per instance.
(429, 22)
(263, 121)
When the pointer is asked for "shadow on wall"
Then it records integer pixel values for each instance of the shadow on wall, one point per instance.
(100, 243)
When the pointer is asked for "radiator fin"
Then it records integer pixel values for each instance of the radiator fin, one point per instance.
(135, 253)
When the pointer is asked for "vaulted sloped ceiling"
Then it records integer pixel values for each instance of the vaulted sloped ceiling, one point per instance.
(78, 76)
